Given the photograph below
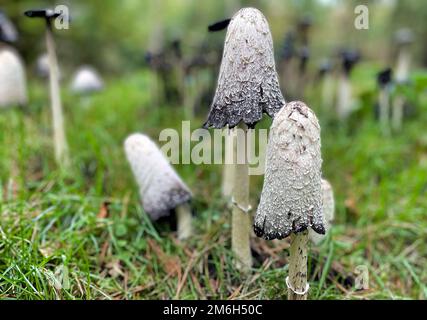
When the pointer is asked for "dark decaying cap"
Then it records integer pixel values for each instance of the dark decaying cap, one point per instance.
(219, 25)
(247, 84)
(291, 198)
(8, 31)
(349, 59)
(384, 77)
(42, 13)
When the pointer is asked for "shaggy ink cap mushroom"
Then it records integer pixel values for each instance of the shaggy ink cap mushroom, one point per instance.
(288, 48)
(324, 67)
(349, 59)
(8, 31)
(304, 54)
(291, 198)
(248, 84)
(161, 189)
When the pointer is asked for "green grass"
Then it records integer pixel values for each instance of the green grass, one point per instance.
(89, 220)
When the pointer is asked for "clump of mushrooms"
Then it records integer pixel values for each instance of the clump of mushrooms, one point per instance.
(13, 84)
(247, 86)
(291, 199)
(60, 142)
(328, 211)
(161, 189)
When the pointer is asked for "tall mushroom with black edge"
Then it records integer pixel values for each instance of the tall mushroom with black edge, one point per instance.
(404, 38)
(161, 189)
(291, 198)
(384, 79)
(344, 99)
(247, 86)
(328, 211)
(60, 143)
(13, 84)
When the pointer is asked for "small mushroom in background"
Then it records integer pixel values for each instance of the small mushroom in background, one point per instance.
(344, 99)
(328, 211)
(86, 80)
(327, 83)
(161, 189)
(403, 38)
(291, 198)
(304, 55)
(247, 86)
(384, 80)
(42, 67)
(287, 61)
(8, 31)
(13, 83)
(60, 142)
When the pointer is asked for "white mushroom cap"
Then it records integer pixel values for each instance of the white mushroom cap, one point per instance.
(328, 211)
(86, 80)
(13, 84)
(248, 84)
(160, 187)
(291, 199)
(7, 29)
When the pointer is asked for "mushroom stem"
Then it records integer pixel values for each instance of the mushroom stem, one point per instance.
(384, 110)
(344, 97)
(183, 217)
(240, 213)
(60, 143)
(327, 92)
(398, 113)
(297, 281)
(228, 167)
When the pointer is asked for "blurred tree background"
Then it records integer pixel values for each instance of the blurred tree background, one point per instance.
(114, 35)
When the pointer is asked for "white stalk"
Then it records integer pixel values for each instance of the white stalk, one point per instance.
(228, 167)
(297, 280)
(344, 97)
(60, 143)
(384, 105)
(397, 116)
(240, 214)
(327, 91)
(184, 218)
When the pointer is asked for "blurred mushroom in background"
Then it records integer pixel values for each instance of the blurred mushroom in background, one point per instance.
(384, 80)
(13, 82)
(349, 58)
(403, 39)
(86, 80)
